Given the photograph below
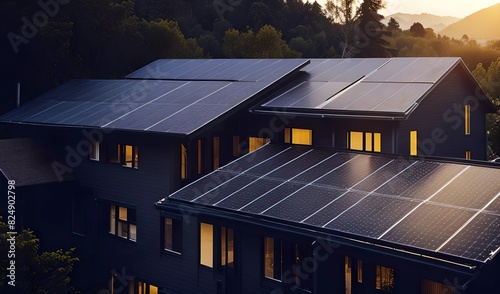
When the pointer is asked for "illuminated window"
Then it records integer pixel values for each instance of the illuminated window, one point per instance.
(206, 244)
(216, 150)
(122, 222)
(431, 287)
(94, 151)
(227, 247)
(184, 162)
(371, 142)
(467, 119)
(172, 240)
(272, 258)
(356, 141)
(255, 143)
(236, 146)
(413, 143)
(467, 155)
(298, 136)
(126, 155)
(348, 274)
(199, 145)
(384, 279)
(144, 288)
(360, 271)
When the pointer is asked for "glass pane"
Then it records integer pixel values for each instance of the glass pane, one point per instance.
(206, 244)
(302, 136)
(287, 136)
(122, 229)
(114, 153)
(183, 162)
(200, 151)
(168, 234)
(360, 271)
(230, 247)
(236, 146)
(377, 142)
(128, 155)
(413, 143)
(356, 141)
(136, 157)
(122, 213)
(269, 257)
(348, 274)
(223, 248)
(133, 232)
(368, 141)
(94, 151)
(153, 289)
(112, 219)
(467, 119)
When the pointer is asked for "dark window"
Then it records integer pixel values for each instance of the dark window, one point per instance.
(122, 222)
(172, 240)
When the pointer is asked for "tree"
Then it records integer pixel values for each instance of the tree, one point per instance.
(35, 273)
(343, 15)
(417, 30)
(393, 25)
(370, 33)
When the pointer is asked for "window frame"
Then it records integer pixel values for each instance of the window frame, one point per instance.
(293, 136)
(414, 143)
(467, 119)
(201, 261)
(373, 138)
(380, 272)
(94, 148)
(184, 162)
(255, 143)
(175, 236)
(114, 214)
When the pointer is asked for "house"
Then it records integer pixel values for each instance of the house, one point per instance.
(363, 186)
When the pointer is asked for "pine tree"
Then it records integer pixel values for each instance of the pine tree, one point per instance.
(371, 31)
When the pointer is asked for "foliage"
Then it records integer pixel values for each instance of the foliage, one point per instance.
(371, 29)
(393, 25)
(417, 30)
(35, 273)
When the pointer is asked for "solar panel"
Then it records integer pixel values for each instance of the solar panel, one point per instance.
(428, 226)
(203, 185)
(424, 205)
(477, 240)
(482, 183)
(268, 70)
(372, 216)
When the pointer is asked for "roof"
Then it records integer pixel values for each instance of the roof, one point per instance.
(27, 161)
(376, 87)
(448, 211)
(168, 96)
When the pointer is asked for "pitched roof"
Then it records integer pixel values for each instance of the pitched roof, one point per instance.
(445, 210)
(376, 87)
(169, 96)
(27, 161)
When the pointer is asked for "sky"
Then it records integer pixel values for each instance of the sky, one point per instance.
(457, 8)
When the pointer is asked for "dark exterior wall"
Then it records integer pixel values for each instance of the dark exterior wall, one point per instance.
(439, 120)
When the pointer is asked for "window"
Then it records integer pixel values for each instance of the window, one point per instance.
(144, 288)
(122, 222)
(371, 142)
(348, 275)
(206, 244)
(94, 151)
(216, 152)
(467, 155)
(184, 162)
(272, 258)
(301, 253)
(298, 136)
(255, 143)
(360, 271)
(78, 214)
(236, 146)
(467, 119)
(126, 155)
(227, 247)
(413, 143)
(384, 279)
(172, 239)
(431, 287)
(199, 145)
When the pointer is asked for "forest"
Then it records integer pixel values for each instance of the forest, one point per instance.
(49, 42)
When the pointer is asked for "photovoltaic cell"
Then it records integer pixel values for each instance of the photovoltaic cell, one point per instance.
(352, 172)
(325, 167)
(477, 240)
(383, 175)
(267, 200)
(332, 210)
(202, 186)
(372, 216)
(294, 207)
(276, 162)
(249, 193)
(253, 159)
(299, 165)
(225, 190)
(483, 183)
(428, 226)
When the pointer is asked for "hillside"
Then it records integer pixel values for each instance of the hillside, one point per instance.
(482, 25)
(437, 23)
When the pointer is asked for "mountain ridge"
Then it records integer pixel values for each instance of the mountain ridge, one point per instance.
(480, 25)
(436, 22)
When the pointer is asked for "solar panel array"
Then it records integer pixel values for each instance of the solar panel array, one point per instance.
(195, 93)
(358, 86)
(445, 208)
